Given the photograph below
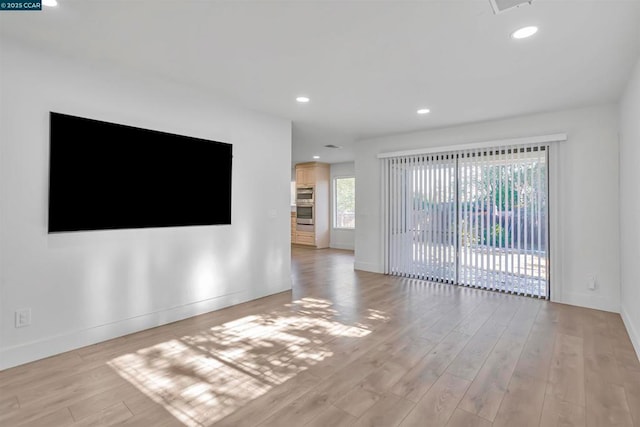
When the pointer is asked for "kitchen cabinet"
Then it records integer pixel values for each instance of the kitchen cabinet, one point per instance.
(314, 175)
(306, 174)
(293, 227)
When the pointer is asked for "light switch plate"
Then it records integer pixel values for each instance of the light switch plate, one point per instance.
(23, 317)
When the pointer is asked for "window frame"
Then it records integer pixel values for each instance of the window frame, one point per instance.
(334, 202)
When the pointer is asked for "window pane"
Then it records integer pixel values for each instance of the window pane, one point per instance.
(345, 203)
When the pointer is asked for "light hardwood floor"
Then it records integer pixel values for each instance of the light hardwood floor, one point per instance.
(346, 348)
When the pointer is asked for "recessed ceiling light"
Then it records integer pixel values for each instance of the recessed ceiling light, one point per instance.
(316, 157)
(50, 3)
(303, 99)
(423, 111)
(524, 32)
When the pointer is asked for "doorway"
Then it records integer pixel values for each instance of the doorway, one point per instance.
(476, 218)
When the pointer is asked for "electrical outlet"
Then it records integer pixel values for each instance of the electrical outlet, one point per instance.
(23, 317)
(592, 283)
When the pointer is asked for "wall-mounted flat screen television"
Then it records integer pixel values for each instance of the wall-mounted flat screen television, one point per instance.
(110, 176)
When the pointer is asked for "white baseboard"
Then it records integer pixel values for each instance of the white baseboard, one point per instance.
(594, 301)
(631, 330)
(368, 266)
(50, 346)
(341, 246)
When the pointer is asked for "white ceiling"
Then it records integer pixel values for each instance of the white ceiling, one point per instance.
(366, 65)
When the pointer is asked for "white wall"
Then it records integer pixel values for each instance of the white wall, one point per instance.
(341, 238)
(86, 287)
(630, 206)
(587, 195)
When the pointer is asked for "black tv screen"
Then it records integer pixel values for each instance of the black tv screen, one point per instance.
(109, 176)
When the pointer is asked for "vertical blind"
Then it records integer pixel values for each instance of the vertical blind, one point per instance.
(473, 217)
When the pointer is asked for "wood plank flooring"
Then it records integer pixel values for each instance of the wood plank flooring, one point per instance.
(346, 348)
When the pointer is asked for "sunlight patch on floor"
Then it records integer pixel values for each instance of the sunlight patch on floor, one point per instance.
(204, 377)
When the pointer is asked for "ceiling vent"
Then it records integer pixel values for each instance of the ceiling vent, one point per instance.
(500, 6)
(332, 146)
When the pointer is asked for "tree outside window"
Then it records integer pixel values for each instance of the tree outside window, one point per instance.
(344, 202)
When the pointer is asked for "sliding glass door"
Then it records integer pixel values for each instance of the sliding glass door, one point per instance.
(422, 217)
(476, 218)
